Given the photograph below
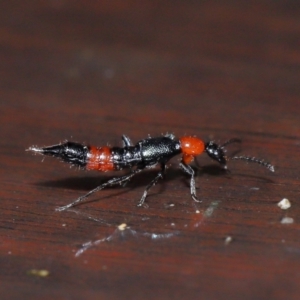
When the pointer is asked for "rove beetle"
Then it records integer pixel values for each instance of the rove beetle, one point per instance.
(144, 154)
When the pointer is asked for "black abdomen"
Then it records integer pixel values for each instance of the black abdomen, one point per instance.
(70, 152)
(126, 157)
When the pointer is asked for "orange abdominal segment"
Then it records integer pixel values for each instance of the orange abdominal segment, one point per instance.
(100, 159)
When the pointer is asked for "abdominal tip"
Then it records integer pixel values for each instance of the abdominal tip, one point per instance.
(35, 149)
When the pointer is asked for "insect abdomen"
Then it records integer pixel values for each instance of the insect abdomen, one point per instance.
(73, 153)
(88, 157)
(126, 157)
(100, 159)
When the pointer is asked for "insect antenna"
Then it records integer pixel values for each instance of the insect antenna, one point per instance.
(254, 160)
(231, 141)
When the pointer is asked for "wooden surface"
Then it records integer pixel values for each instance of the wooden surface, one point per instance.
(89, 71)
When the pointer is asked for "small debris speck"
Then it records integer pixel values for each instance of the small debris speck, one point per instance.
(228, 240)
(197, 211)
(284, 204)
(122, 226)
(39, 273)
(287, 220)
(169, 205)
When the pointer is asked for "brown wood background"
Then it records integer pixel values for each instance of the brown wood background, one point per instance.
(90, 71)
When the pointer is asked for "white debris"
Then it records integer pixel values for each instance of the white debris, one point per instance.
(228, 240)
(284, 203)
(39, 273)
(287, 220)
(122, 226)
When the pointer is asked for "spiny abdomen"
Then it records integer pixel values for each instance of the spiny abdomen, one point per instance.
(88, 157)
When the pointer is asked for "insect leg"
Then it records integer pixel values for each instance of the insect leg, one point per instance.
(189, 170)
(152, 183)
(111, 182)
(126, 141)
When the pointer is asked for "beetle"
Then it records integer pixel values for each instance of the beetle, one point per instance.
(144, 154)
